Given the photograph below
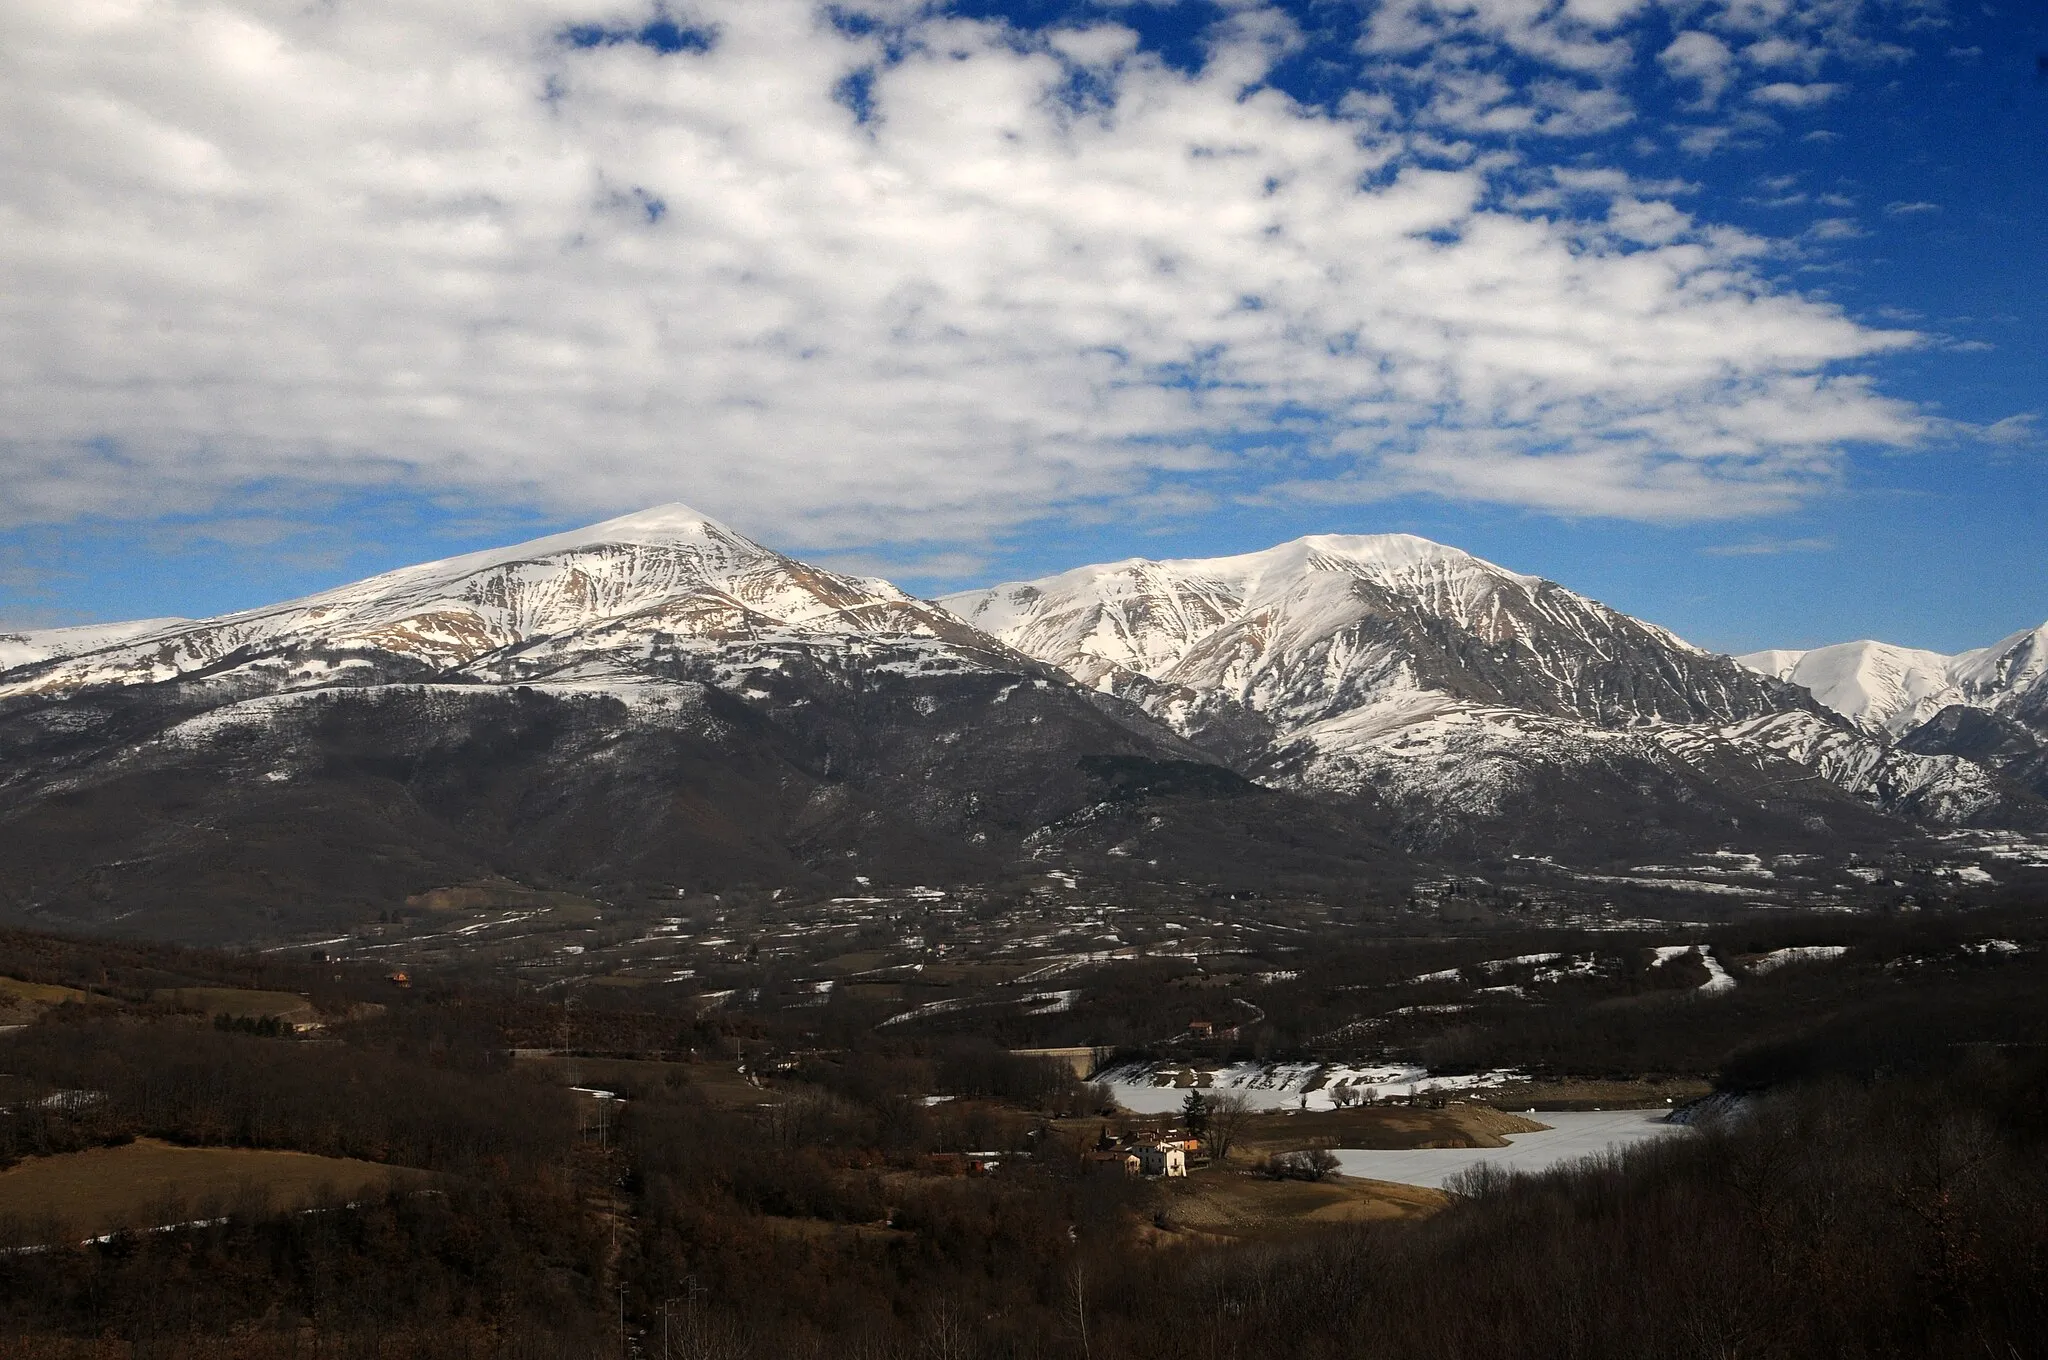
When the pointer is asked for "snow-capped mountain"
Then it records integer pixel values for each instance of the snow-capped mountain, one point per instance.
(660, 700)
(1341, 624)
(1888, 691)
(656, 698)
(1454, 686)
(626, 586)
(1339, 642)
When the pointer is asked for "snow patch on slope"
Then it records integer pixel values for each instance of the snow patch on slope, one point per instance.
(54, 644)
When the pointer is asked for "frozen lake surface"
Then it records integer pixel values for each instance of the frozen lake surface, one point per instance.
(1573, 1134)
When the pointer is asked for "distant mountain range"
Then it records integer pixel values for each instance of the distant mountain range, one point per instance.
(658, 702)
(1460, 689)
(1890, 691)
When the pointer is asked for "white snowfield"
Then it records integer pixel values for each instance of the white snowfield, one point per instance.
(1572, 1135)
(1888, 691)
(1799, 953)
(1718, 978)
(53, 644)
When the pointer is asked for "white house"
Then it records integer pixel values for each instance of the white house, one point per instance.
(1163, 1159)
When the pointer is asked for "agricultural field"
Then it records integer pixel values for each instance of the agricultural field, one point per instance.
(151, 1184)
(1229, 1206)
(21, 1002)
(239, 1003)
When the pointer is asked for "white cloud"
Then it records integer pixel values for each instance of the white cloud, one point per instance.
(2014, 431)
(1904, 209)
(1773, 52)
(1604, 180)
(429, 243)
(1101, 45)
(1702, 59)
(1704, 141)
(1786, 94)
(1835, 229)
(1770, 547)
(1578, 36)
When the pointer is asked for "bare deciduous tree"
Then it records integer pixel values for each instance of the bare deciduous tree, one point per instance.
(1227, 1116)
(1077, 1304)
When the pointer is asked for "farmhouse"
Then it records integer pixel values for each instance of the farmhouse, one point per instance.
(1163, 1159)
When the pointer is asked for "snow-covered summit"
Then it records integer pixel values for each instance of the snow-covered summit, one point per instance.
(1881, 688)
(669, 571)
(1888, 690)
(1315, 650)
(2013, 665)
(673, 525)
(1144, 617)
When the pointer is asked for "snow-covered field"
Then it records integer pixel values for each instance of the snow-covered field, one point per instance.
(1150, 1089)
(1804, 953)
(1571, 1135)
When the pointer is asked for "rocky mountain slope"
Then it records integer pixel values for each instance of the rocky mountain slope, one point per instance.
(1988, 706)
(654, 700)
(1339, 624)
(659, 704)
(614, 593)
(1464, 693)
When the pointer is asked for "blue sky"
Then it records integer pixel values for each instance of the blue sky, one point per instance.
(1728, 314)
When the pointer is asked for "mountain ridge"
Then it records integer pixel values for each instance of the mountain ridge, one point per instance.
(656, 699)
(1346, 663)
(1888, 690)
(660, 699)
(666, 570)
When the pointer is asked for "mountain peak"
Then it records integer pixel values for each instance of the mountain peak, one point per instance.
(656, 524)
(671, 525)
(1331, 626)
(1386, 557)
(1889, 689)
(668, 571)
(1385, 552)
(1397, 553)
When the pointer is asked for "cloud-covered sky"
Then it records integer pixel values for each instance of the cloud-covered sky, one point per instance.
(955, 289)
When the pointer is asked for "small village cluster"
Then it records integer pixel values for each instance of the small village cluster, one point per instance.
(1152, 1154)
